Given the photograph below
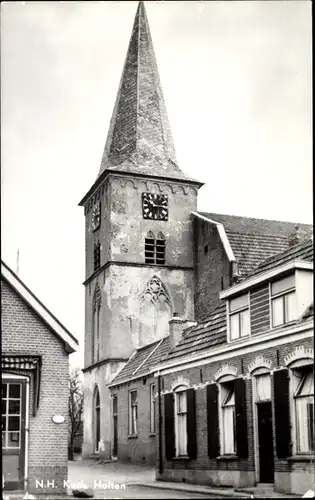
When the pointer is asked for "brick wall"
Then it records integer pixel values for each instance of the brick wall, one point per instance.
(212, 267)
(24, 333)
(140, 449)
(239, 469)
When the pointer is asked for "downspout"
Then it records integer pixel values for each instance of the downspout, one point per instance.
(27, 425)
(160, 427)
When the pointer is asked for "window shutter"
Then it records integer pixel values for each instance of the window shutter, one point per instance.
(282, 415)
(240, 413)
(212, 420)
(191, 424)
(169, 426)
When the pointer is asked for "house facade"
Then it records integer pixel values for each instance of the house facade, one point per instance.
(237, 397)
(34, 390)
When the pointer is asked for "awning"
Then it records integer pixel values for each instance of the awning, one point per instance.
(18, 362)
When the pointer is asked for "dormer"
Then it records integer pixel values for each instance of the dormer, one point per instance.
(269, 300)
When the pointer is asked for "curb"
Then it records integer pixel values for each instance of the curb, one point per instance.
(192, 489)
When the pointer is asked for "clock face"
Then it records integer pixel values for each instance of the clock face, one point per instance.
(155, 206)
(96, 215)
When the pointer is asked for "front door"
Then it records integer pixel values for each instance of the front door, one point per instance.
(266, 461)
(13, 394)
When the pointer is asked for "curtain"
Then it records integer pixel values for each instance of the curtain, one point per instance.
(263, 388)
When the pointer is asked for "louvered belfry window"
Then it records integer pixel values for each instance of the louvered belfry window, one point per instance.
(155, 249)
(97, 256)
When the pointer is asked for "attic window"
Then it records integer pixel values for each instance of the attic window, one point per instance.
(283, 300)
(239, 317)
(154, 249)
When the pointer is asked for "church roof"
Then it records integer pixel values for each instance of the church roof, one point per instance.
(254, 240)
(142, 360)
(139, 140)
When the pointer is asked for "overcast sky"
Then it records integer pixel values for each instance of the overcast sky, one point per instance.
(237, 84)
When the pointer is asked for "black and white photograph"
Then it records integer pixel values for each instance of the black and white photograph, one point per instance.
(157, 311)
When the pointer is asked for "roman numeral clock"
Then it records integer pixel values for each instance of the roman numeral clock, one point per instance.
(155, 206)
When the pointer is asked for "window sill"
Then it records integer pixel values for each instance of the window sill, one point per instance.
(181, 457)
(227, 457)
(301, 458)
(152, 434)
(132, 436)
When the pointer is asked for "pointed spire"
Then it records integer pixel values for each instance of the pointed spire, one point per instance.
(139, 138)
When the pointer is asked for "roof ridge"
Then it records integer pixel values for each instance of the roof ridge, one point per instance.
(258, 218)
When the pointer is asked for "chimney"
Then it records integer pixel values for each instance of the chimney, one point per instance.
(177, 327)
(295, 237)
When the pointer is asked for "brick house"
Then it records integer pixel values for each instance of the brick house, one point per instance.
(34, 387)
(237, 391)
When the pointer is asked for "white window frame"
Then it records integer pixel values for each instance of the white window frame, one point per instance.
(133, 422)
(238, 312)
(152, 409)
(282, 294)
(225, 380)
(179, 390)
(297, 365)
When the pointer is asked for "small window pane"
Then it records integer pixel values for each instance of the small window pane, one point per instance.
(283, 285)
(133, 396)
(228, 429)
(4, 388)
(245, 324)
(13, 423)
(14, 406)
(4, 407)
(3, 439)
(290, 307)
(182, 402)
(239, 302)
(234, 326)
(277, 311)
(115, 404)
(14, 390)
(3, 423)
(13, 439)
(306, 387)
(263, 387)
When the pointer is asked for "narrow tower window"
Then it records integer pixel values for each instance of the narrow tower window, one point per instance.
(96, 325)
(97, 255)
(155, 249)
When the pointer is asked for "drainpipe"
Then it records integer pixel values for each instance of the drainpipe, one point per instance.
(160, 426)
(27, 425)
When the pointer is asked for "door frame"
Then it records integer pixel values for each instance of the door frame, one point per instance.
(25, 380)
(258, 372)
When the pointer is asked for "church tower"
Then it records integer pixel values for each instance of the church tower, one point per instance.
(138, 233)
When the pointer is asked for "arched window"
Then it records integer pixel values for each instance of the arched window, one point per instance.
(155, 312)
(96, 325)
(154, 249)
(97, 255)
(97, 419)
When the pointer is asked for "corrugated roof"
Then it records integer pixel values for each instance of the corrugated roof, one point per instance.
(254, 240)
(301, 251)
(149, 355)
